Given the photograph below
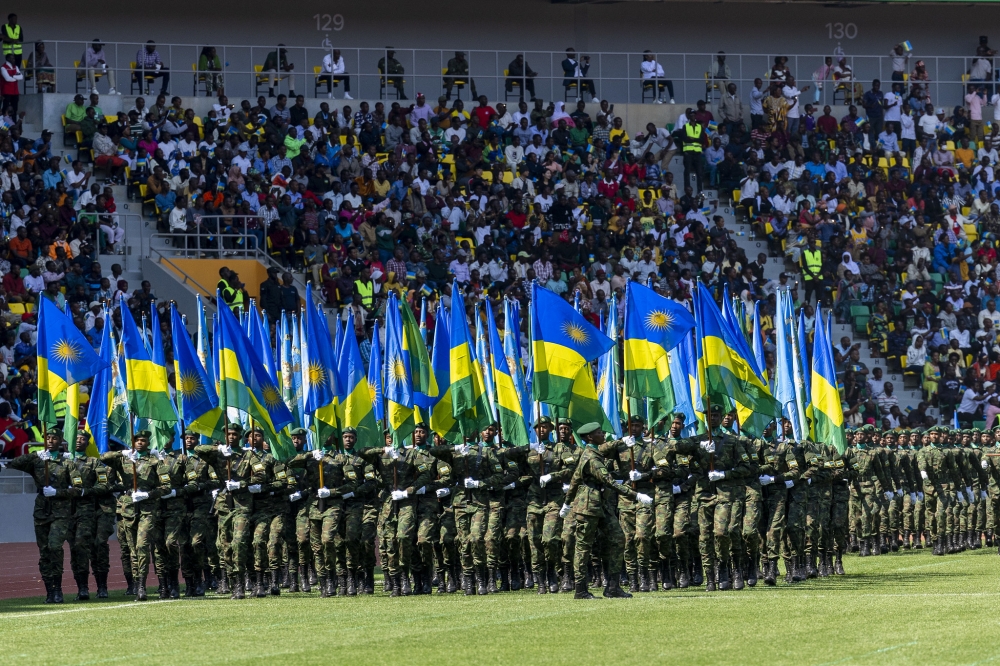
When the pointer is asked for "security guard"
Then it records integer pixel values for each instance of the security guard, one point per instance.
(692, 139)
(13, 37)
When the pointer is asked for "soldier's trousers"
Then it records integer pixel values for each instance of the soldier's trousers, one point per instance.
(586, 529)
(993, 511)
(141, 531)
(471, 522)
(495, 552)
(883, 515)
(568, 540)
(752, 507)
(172, 536)
(50, 536)
(399, 535)
(720, 518)
(684, 528)
(241, 543)
(224, 542)
(100, 555)
(907, 520)
(545, 536)
(324, 536)
(818, 524)
(663, 527)
(194, 551)
(937, 504)
(268, 526)
(515, 528)
(349, 551)
(638, 525)
(81, 540)
(296, 535)
(427, 533)
(838, 515)
(369, 528)
(795, 523)
(124, 551)
(775, 517)
(448, 538)
(896, 514)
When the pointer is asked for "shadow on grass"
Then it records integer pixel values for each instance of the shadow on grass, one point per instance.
(116, 598)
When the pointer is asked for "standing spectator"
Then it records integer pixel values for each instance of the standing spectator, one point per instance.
(652, 71)
(575, 70)
(10, 87)
(94, 61)
(874, 104)
(518, 72)
(794, 112)
(976, 100)
(13, 38)
(335, 71)
(149, 63)
(756, 104)
(731, 109)
(900, 62)
(276, 62)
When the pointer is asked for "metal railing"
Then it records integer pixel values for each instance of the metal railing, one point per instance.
(616, 75)
(13, 482)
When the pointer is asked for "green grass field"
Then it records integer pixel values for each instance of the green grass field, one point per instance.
(893, 609)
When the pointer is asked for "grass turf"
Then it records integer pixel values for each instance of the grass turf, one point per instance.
(905, 608)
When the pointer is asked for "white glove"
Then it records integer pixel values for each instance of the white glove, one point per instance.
(225, 450)
(347, 495)
(471, 483)
(645, 500)
(394, 453)
(399, 495)
(565, 487)
(923, 475)
(968, 492)
(564, 511)
(920, 496)
(543, 479)
(510, 486)
(323, 493)
(985, 464)
(461, 449)
(161, 454)
(888, 494)
(913, 498)
(215, 493)
(138, 496)
(809, 482)
(789, 483)
(44, 455)
(634, 475)
(295, 497)
(676, 490)
(708, 447)
(129, 453)
(421, 491)
(442, 492)
(254, 488)
(983, 494)
(232, 485)
(3, 465)
(765, 480)
(173, 493)
(629, 441)
(317, 454)
(49, 491)
(716, 476)
(899, 493)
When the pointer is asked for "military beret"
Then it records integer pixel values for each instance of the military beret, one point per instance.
(421, 424)
(588, 428)
(190, 432)
(55, 432)
(234, 427)
(636, 418)
(298, 431)
(257, 429)
(679, 416)
(542, 420)
(565, 422)
(351, 430)
(140, 434)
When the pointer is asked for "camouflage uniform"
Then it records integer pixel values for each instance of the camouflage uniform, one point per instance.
(299, 551)
(197, 498)
(90, 477)
(818, 476)
(519, 478)
(172, 528)
(675, 468)
(52, 515)
(720, 509)
(776, 460)
(840, 493)
(868, 487)
(268, 518)
(349, 556)
(436, 528)
(793, 547)
(557, 462)
(637, 521)
(104, 527)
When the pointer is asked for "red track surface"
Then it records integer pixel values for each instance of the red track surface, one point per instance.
(19, 572)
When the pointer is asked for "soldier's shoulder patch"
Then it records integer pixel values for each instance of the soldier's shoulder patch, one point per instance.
(102, 477)
(77, 480)
(498, 467)
(683, 460)
(794, 464)
(165, 478)
(258, 467)
(212, 474)
(662, 462)
(192, 476)
(745, 457)
(350, 474)
(422, 467)
(369, 474)
(569, 459)
(769, 459)
(444, 468)
(511, 464)
(838, 463)
(281, 474)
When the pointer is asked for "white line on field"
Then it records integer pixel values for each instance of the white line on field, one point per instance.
(131, 604)
(869, 654)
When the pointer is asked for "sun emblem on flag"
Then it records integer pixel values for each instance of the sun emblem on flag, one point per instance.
(397, 371)
(66, 351)
(602, 382)
(271, 395)
(576, 333)
(659, 320)
(189, 385)
(317, 374)
(372, 392)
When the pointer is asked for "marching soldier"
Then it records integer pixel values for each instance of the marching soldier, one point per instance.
(350, 569)
(173, 514)
(635, 454)
(197, 499)
(296, 537)
(89, 477)
(779, 471)
(449, 566)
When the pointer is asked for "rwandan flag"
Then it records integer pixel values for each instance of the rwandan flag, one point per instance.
(320, 371)
(607, 373)
(415, 355)
(482, 357)
(442, 417)
(375, 378)
(245, 384)
(99, 408)
(563, 345)
(512, 349)
(510, 414)
(356, 409)
(399, 382)
(145, 379)
(749, 420)
(465, 380)
(65, 357)
(828, 415)
(653, 326)
(197, 402)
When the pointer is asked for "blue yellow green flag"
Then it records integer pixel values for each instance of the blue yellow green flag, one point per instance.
(465, 379)
(375, 369)
(197, 402)
(99, 407)
(357, 409)
(399, 384)
(320, 367)
(508, 401)
(145, 380)
(827, 411)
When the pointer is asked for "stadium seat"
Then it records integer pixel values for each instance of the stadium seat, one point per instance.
(137, 87)
(81, 77)
(458, 84)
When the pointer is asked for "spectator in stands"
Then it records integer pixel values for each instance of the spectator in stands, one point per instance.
(10, 85)
(93, 64)
(210, 71)
(40, 68)
(275, 63)
(458, 69)
(575, 71)
(149, 64)
(653, 75)
(392, 71)
(521, 75)
(334, 72)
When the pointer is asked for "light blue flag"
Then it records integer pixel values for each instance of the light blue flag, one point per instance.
(608, 385)
(804, 359)
(423, 319)
(512, 350)
(482, 353)
(757, 342)
(99, 406)
(260, 343)
(375, 375)
(786, 361)
(687, 372)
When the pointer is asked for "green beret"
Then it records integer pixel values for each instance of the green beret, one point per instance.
(420, 424)
(354, 431)
(679, 416)
(564, 422)
(235, 427)
(140, 434)
(54, 431)
(299, 431)
(636, 418)
(542, 420)
(191, 433)
(588, 428)
(257, 429)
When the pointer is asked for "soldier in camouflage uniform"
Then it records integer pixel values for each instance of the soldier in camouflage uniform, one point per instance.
(835, 541)
(446, 548)
(674, 475)
(819, 478)
(746, 552)
(991, 466)
(89, 476)
(584, 498)
(779, 472)
(552, 465)
(104, 526)
(143, 478)
(53, 512)
(564, 435)
(171, 529)
(519, 477)
(955, 485)
(969, 467)
(921, 535)
(634, 462)
(793, 546)
(429, 513)
(988, 489)
(975, 455)
(935, 476)
(904, 459)
(476, 470)
(197, 501)
(350, 569)
(267, 482)
(872, 486)
(296, 537)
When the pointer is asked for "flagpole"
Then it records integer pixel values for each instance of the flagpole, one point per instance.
(628, 398)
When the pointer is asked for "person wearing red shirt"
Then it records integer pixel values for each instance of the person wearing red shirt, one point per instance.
(827, 124)
(484, 113)
(13, 287)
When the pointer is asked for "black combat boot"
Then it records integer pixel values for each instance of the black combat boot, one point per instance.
(369, 580)
(989, 538)
(275, 585)
(938, 548)
(454, 575)
(683, 578)
(312, 573)
(352, 583)
(304, 578)
(811, 570)
(259, 590)
(529, 577)
(48, 590)
(864, 548)
(211, 579)
(395, 587)
(468, 584)
(581, 591)
(710, 570)
(140, 589)
(838, 565)
(341, 590)
(753, 573)
(102, 584)
(175, 586)
(823, 571)
(568, 579)
(443, 580)
(482, 584)
(722, 575)
(799, 570)
(697, 577)
(199, 584)
(770, 572)
(906, 539)
(418, 582)
(515, 578)
(644, 579)
(224, 581)
(737, 574)
(293, 578)
(884, 546)
(404, 579)
(82, 589)
(129, 584)
(491, 580)
(633, 582)
(974, 541)
(789, 571)
(188, 586)
(854, 545)
(613, 588)
(324, 589)
(666, 576)
(504, 579)
(543, 585)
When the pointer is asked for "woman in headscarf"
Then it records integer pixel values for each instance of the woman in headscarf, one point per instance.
(847, 264)
(559, 113)
(236, 176)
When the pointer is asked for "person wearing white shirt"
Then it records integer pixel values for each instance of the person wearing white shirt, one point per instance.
(514, 154)
(988, 151)
(907, 132)
(188, 148)
(791, 94)
(893, 104)
(544, 200)
(929, 125)
(756, 104)
(335, 71)
(652, 70)
(456, 130)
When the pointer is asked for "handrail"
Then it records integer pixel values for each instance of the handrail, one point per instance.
(185, 278)
(615, 73)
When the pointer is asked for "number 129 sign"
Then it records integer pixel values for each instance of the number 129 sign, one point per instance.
(327, 22)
